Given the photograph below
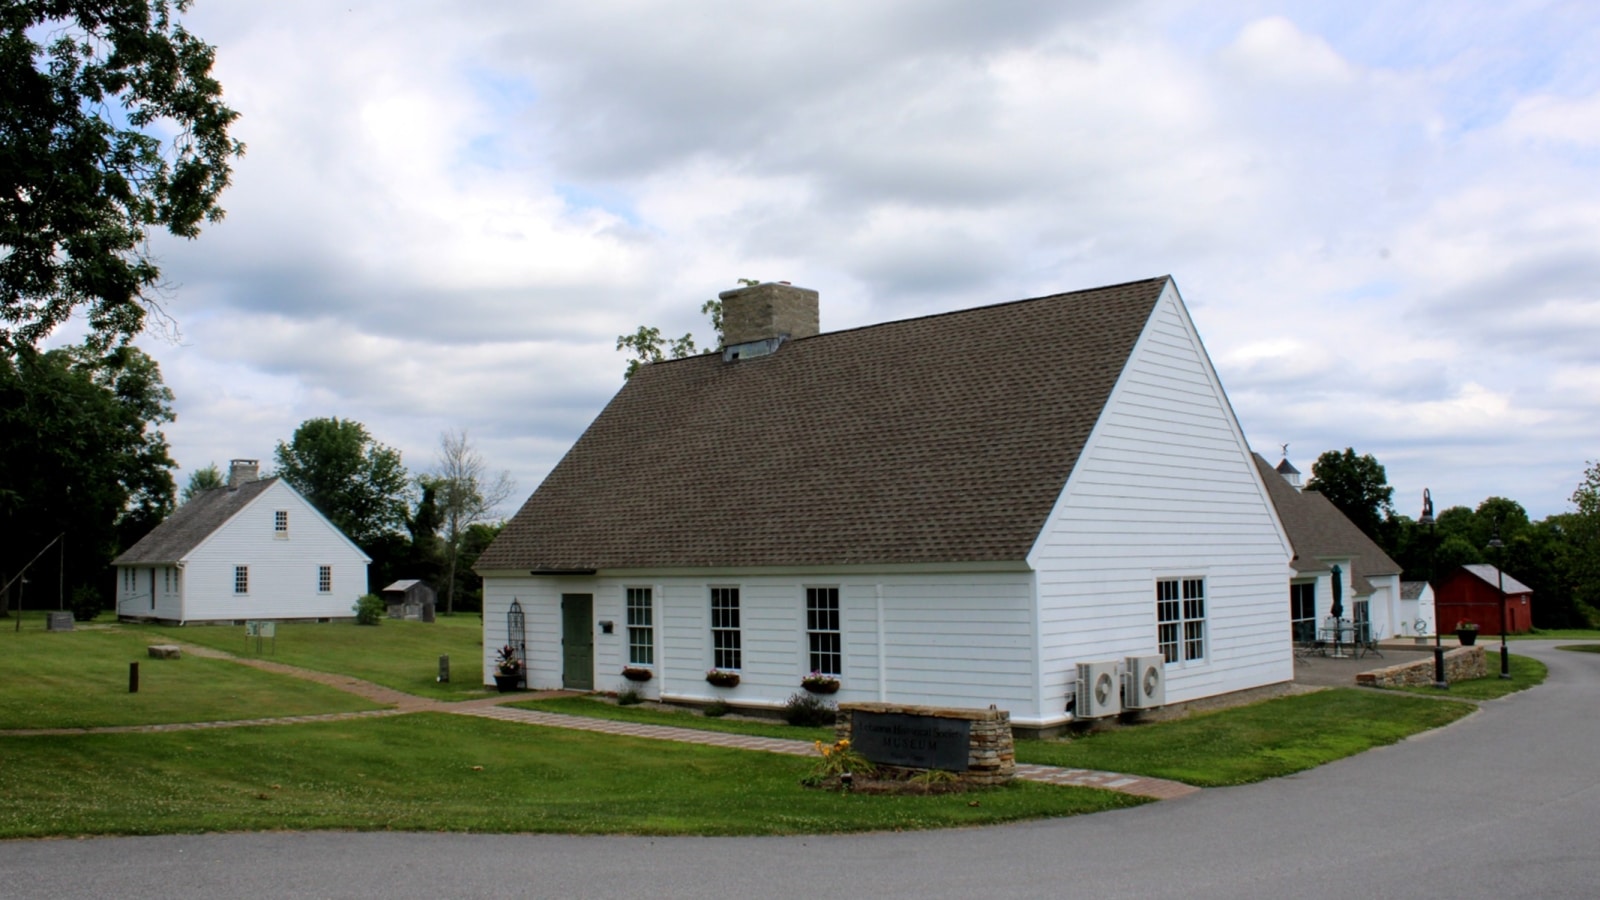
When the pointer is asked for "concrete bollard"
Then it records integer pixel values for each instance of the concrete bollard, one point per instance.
(444, 670)
(133, 678)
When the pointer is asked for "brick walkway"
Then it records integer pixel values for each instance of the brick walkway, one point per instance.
(490, 708)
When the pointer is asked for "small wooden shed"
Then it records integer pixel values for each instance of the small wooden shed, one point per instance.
(411, 599)
(1472, 594)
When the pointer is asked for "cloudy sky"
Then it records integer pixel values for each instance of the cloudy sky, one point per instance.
(1386, 223)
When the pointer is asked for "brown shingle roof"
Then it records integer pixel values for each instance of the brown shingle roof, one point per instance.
(192, 523)
(945, 438)
(1317, 528)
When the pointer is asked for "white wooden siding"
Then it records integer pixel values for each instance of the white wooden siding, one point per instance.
(1165, 487)
(283, 570)
(948, 639)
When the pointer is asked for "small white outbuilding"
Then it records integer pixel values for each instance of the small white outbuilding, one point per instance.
(254, 549)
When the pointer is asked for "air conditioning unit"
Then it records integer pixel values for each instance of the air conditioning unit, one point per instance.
(1147, 682)
(1099, 690)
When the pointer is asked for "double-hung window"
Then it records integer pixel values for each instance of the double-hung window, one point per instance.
(241, 579)
(822, 630)
(324, 579)
(1181, 619)
(725, 644)
(641, 628)
(280, 523)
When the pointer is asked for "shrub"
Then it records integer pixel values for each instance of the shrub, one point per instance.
(370, 610)
(809, 711)
(86, 603)
(716, 709)
(629, 696)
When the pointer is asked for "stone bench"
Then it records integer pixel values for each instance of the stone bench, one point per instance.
(166, 651)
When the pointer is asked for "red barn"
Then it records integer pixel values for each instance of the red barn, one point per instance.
(1472, 594)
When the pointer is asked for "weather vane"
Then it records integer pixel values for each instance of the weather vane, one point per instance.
(1285, 450)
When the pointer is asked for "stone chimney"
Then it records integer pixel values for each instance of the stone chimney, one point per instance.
(242, 471)
(767, 311)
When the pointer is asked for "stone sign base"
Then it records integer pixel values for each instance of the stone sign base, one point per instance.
(991, 757)
(1460, 664)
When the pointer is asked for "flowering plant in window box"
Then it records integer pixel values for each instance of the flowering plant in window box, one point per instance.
(818, 683)
(721, 678)
(637, 673)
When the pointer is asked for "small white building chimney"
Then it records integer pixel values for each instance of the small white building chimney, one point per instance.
(242, 471)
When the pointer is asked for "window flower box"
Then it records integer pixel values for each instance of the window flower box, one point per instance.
(636, 673)
(722, 679)
(818, 683)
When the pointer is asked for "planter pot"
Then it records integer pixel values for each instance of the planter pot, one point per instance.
(723, 680)
(830, 687)
(507, 683)
(640, 675)
(1467, 636)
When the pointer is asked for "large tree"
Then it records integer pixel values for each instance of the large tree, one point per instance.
(82, 456)
(110, 126)
(1357, 485)
(648, 346)
(465, 492)
(358, 483)
(201, 480)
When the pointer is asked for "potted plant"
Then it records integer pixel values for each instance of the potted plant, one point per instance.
(637, 673)
(507, 669)
(722, 678)
(818, 683)
(1467, 633)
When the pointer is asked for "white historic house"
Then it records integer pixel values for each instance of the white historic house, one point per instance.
(1019, 505)
(255, 549)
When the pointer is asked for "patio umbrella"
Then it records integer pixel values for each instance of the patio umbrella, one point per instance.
(1338, 594)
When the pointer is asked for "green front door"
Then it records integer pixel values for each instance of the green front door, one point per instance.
(577, 642)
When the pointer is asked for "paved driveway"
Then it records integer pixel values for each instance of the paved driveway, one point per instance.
(1501, 804)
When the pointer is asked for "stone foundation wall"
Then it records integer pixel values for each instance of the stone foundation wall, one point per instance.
(991, 752)
(1460, 664)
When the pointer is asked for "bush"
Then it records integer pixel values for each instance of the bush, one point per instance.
(370, 610)
(809, 711)
(86, 603)
(629, 696)
(716, 709)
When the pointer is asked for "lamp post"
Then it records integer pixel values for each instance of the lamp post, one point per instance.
(1498, 547)
(1426, 521)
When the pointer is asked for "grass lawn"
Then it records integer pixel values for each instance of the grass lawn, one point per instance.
(1576, 648)
(397, 654)
(1252, 743)
(1559, 634)
(1525, 673)
(79, 678)
(455, 773)
(681, 718)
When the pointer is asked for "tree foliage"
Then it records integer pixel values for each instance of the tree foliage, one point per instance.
(202, 480)
(111, 129)
(465, 492)
(1357, 485)
(648, 346)
(358, 483)
(81, 454)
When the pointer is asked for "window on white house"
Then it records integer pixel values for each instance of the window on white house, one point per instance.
(1181, 618)
(280, 523)
(241, 579)
(725, 649)
(127, 580)
(641, 628)
(324, 579)
(822, 630)
(1303, 611)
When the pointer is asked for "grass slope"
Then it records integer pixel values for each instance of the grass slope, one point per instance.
(396, 654)
(680, 718)
(441, 772)
(1525, 673)
(1252, 743)
(79, 679)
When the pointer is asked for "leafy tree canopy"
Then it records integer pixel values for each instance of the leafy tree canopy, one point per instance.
(648, 346)
(81, 454)
(110, 128)
(1357, 485)
(202, 480)
(358, 483)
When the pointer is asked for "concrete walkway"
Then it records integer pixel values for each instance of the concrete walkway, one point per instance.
(491, 708)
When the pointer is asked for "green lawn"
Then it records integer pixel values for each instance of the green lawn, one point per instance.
(1251, 743)
(397, 654)
(431, 772)
(1558, 634)
(681, 718)
(79, 679)
(1525, 673)
(1577, 648)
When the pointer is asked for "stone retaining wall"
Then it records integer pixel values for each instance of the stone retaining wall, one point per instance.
(1460, 664)
(991, 753)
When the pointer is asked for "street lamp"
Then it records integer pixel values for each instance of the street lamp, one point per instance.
(1426, 521)
(1498, 547)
